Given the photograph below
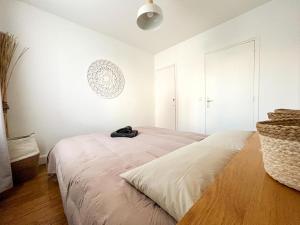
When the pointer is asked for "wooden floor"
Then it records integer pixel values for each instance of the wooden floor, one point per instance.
(36, 202)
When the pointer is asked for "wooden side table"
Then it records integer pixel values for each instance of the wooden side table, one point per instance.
(24, 156)
(244, 194)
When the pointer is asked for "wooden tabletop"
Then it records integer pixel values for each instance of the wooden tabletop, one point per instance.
(244, 194)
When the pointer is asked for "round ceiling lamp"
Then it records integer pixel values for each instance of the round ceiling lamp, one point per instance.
(149, 16)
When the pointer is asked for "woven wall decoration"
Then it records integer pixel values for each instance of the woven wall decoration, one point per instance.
(106, 78)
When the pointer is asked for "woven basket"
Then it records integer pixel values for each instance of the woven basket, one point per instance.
(280, 141)
(287, 111)
(283, 114)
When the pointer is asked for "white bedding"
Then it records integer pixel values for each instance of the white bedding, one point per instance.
(176, 181)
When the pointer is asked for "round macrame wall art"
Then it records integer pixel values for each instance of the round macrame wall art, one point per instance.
(106, 78)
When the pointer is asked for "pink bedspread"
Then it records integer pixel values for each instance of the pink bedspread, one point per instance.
(88, 168)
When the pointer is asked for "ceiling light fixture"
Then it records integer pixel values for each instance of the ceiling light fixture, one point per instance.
(149, 16)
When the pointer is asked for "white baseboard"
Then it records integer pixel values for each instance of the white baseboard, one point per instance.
(43, 159)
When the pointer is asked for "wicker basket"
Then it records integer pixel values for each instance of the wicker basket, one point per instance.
(287, 111)
(283, 114)
(280, 141)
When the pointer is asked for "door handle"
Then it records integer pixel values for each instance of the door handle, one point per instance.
(208, 101)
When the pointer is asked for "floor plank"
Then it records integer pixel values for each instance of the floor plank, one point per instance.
(35, 202)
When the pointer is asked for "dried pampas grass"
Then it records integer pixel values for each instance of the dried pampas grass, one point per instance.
(8, 47)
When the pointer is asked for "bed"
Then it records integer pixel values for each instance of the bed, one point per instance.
(88, 168)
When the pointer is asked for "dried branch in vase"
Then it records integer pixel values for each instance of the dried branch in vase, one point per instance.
(8, 47)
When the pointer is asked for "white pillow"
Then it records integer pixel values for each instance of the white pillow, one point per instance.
(228, 139)
(176, 181)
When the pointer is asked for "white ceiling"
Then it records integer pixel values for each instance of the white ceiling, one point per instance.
(117, 18)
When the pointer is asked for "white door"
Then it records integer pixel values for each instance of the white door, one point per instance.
(165, 98)
(230, 88)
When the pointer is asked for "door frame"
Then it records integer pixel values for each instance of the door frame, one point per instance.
(256, 78)
(176, 94)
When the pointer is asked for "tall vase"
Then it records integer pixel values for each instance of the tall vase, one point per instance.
(5, 107)
(5, 168)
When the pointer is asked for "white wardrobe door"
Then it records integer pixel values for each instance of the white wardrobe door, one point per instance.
(230, 88)
(165, 102)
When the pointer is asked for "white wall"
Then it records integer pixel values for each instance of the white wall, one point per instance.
(276, 28)
(49, 93)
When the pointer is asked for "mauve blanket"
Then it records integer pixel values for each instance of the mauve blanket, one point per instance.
(88, 168)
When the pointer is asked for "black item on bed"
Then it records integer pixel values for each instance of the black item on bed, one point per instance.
(125, 132)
